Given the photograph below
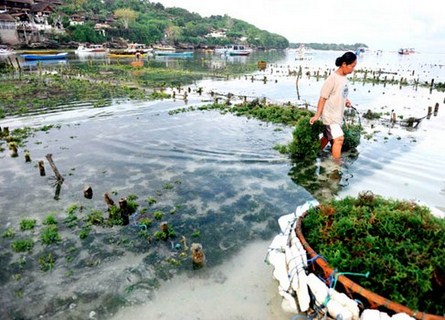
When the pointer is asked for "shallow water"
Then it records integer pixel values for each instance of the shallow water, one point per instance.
(209, 172)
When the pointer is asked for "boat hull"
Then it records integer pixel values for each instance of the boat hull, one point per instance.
(44, 56)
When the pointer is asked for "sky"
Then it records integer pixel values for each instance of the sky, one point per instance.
(380, 24)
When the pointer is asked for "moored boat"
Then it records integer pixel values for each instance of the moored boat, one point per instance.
(234, 50)
(405, 51)
(184, 54)
(126, 54)
(307, 282)
(61, 55)
(93, 48)
(5, 50)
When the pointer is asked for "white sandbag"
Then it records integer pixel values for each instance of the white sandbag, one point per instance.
(288, 303)
(337, 311)
(287, 223)
(278, 243)
(305, 207)
(302, 252)
(297, 276)
(318, 288)
(278, 260)
(401, 316)
(373, 314)
(304, 299)
(346, 302)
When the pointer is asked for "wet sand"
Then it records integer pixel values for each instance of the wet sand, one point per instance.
(241, 288)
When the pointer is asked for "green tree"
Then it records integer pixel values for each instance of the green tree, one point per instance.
(125, 16)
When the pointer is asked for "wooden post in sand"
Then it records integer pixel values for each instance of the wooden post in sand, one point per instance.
(88, 192)
(123, 206)
(53, 166)
(430, 112)
(42, 168)
(436, 108)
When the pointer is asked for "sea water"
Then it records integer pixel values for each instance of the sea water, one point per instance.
(214, 175)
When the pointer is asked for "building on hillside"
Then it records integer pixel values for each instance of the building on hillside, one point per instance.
(8, 29)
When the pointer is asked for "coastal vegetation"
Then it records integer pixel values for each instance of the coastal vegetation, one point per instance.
(150, 23)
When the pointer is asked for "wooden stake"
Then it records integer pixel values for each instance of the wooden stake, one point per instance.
(42, 168)
(88, 192)
(53, 166)
(123, 206)
(108, 200)
(198, 256)
(436, 109)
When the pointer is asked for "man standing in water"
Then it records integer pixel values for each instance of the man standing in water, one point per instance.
(332, 102)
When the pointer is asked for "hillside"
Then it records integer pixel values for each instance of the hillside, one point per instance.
(98, 21)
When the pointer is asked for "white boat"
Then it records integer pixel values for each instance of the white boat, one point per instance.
(138, 48)
(303, 51)
(92, 48)
(234, 50)
(6, 51)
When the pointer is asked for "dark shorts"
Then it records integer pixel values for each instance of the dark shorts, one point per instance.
(333, 131)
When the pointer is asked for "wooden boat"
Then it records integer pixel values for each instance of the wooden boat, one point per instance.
(93, 48)
(138, 47)
(5, 51)
(405, 51)
(300, 270)
(40, 52)
(234, 50)
(184, 54)
(126, 55)
(61, 55)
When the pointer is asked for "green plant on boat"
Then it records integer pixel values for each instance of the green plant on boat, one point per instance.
(400, 242)
(27, 224)
(50, 235)
(22, 245)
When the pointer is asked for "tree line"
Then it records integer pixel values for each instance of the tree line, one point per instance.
(142, 21)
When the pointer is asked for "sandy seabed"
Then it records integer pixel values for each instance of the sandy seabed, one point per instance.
(241, 288)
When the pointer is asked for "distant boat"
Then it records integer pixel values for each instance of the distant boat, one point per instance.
(184, 54)
(361, 51)
(126, 54)
(405, 51)
(234, 50)
(93, 48)
(138, 47)
(5, 51)
(55, 56)
(303, 51)
(162, 48)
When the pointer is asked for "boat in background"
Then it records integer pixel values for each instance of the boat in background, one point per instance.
(183, 54)
(302, 52)
(6, 51)
(234, 50)
(405, 51)
(92, 48)
(138, 47)
(56, 56)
